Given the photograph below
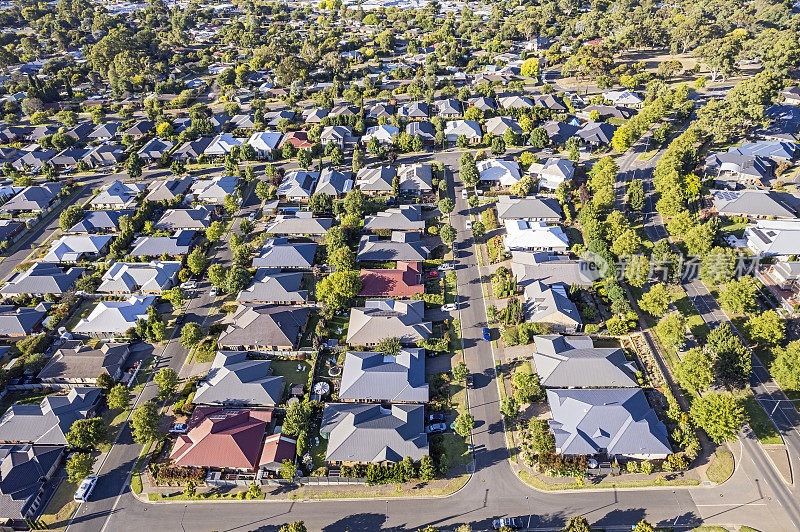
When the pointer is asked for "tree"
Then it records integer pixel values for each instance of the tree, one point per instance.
(70, 216)
(509, 408)
(700, 238)
(447, 233)
(288, 470)
(767, 328)
(539, 138)
(530, 68)
(86, 434)
(498, 146)
(145, 421)
(174, 295)
(622, 139)
(740, 297)
(191, 334)
(577, 524)
(636, 195)
(34, 363)
(190, 490)
(695, 372)
(427, 470)
(719, 414)
(460, 372)
(446, 205)
(167, 380)
(105, 382)
(216, 275)
(389, 346)
(718, 266)
(358, 160)
(177, 168)
(237, 279)
(733, 359)
(628, 243)
(644, 526)
(464, 424)
(119, 398)
(134, 166)
(542, 439)
(786, 366)
(355, 203)
(197, 261)
(297, 418)
(246, 226)
(672, 329)
(79, 466)
(656, 300)
(527, 388)
(339, 288)
(297, 526)
(341, 258)
(214, 231)
(231, 204)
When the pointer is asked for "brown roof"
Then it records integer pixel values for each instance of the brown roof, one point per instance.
(277, 448)
(298, 139)
(222, 438)
(405, 281)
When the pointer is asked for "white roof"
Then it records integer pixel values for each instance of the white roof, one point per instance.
(264, 140)
(115, 317)
(506, 172)
(534, 235)
(624, 97)
(222, 144)
(382, 133)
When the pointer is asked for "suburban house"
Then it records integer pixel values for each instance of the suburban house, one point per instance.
(596, 133)
(382, 110)
(340, 136)
(48, 422)
(221, 145)
(277, 448)
(11, 230)
(388, 318)
(117, 195)
(334, 183)
(414, 110)
(774, 238)
(374, 181)
(155, 149)
(280, 253)
(552, 173)
(177, 245)
(449, 108)
(168, 189)
(403, 245)
(522, 235)
(21, 321)
(559, 132)
(623, 98)
(264, 142)
(756, 203)
(263, 327)
(402, 218)
(222, 438)
(515, 102)
(214, 190)
(104, 155)
(197, 219)
(34, 199)
(424, 130)
(301, 224)
(530, 209)
(498, 125)
(415, 178)
(791, 95)
(191, 150)
(100, 221)
(369, 433)
(403, 281)
(74, 248)
(298, 139)
(77, 364)
(614, 422)
(551, 269)
(139, 129)
(237, 379)
(775, 150)
(298, 185)
(499, 172)
(33, 161)
(42, 278)
(272, 287)
(471, 129)
(25, 470)
(552, 306)
(727, 167)
(574, 362)
(314, 116)
(114, 318)
(124, 278)
(375, 377)
(383, 133)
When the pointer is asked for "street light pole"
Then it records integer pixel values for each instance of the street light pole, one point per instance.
(529, 511)
(387, 511)
(185, 506)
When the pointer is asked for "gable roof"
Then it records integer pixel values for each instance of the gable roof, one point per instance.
(214, 189)
(71, 248)
(756, 203)
(269, 286)
(124, 277)
(264, 325)
(597, 132)
(402, 218)
(530, 207)
(34, 198)
(497, 170)
(574, 362)
(334, 183)
(96, 221)
(114, 317)
(774, 237)
(387, 318)
(298, 184)
(23, 470)
(551, 269)
(279, 253)
(371, 433)
(155, 148)
(236, 379)
(168, 189)
(20, 321)
(48, 422)
(154, 246)
(370, 376)
(74, 360)
(376, 179)
(198, 218)
(550, 304)
(301, 224)
(118, 193)
(42, 278)
(402, 246)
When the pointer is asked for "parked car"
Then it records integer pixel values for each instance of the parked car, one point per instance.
(178, 428)
(252, 216)
(213, 292)
(432, 274)
(85, 489)
(447, 266)
(450, 307)
(487, 334)
(469, 380)
(435, 418)
(189, 285)
(469, 225)
(436, 428)
(510, 522)
(464, 193)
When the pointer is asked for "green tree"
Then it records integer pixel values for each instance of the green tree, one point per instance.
(288, 470)
(427, 470)
(672, 329)
(509, 408)
(237, 279)
(577, 524)
(636, 195)
(766, 329)
(644, 526)
(167, 380)
(622, 139)
(339, 288)
(389, 346)
(539, 138)
(321, 204)
(79, 466)
(628, 243)
(297, 526)
(145, 421)
(786, 365)
(719, 414)
(446, 205)
(104, 381)
(740, 297)
(527, 387)
(87, 434)
(542, 439)
(695, 371)
(119, 398)
(656, 300)
(355, 203)
(734, 361)
(134, 166)
(358, 160)
(214, 231)
(460, 372)
(34, 363)
(191, 334)
(231, 204)
(464, 424)
(190, 490)
(70, 216)
(297, 418)
(498, 146)
(197, 261)
(718, 266)
(447, 233)
(246, 226)
(216, 275)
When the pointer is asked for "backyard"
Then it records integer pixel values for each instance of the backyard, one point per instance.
(292, 371)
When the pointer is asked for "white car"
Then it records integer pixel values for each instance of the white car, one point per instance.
(178, 428)
(213, 292)
(252, 216)
(189, 285)
(450, 307)
(464, 194)
(447, 266)
(85, 489)
(469, 225)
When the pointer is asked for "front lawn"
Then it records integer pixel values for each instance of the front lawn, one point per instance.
(60, 508)
(83, 310)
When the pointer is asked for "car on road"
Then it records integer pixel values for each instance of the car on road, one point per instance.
(178, 428)
(487, 334)
(435, 418)
(189, 285)
(213, 292)
(433, 274)
(464, 194)
(469, 225)
(469, 380)
(85, 489)
(252, 216)
(447, 266)
(510, 522)
(450, 307)
(548, 151)
(436, 428)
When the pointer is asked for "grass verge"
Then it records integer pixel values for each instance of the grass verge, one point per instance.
(537, 483)
(61, 507)
(759, 421)
(721, 467)
(451, 487)
(136, 478)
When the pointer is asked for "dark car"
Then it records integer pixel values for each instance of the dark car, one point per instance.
(469, 380)
(487, 334)
(435, 418)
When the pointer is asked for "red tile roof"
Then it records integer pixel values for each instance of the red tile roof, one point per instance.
(222, 438)
(298, 139)
(405, 281)
(277, 448)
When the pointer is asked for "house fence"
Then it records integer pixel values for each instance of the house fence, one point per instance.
(215, 479)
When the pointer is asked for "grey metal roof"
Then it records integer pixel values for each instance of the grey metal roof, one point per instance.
(370, 376)
(388, 318)
(264, 325)
(72, 248)
(42, 278)
(168, 189)
(616, 421)
(48, 422)
(574, 362)
(334, 183)
(23, 471)
(497, 125)
(549, 269)
(99, 221)
(298, 184)
(114, 317)
(298, 225)
(597, 132)
(74, 360)
(280, 253)
(198, 218)
(371, 433)
(33, 198)
(756, 203)
(531, 207)
(372, 249)
(402, 218)
(376, 179)
(124, 277)
(550, 304)
(237, 379)
(154, 246)
(560, 132)
(20, 321)
(269, 286)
